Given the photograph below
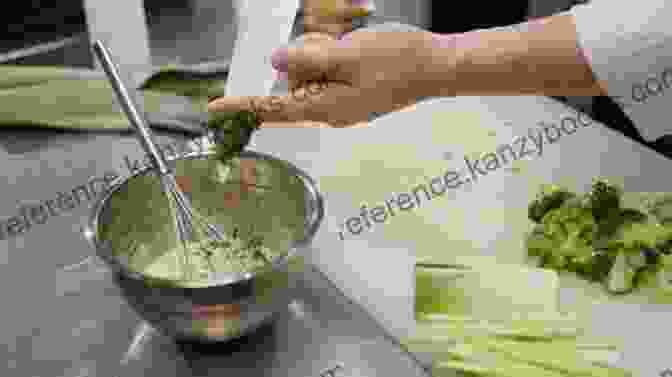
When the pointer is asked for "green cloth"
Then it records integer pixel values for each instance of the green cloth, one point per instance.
(57, 97)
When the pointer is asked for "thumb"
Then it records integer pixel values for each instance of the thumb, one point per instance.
(311, 60)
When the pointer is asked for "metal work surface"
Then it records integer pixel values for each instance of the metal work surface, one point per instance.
(320, 334)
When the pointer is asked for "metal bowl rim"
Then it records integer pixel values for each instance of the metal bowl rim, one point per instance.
(104, 252)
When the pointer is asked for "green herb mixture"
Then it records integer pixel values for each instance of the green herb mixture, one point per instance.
(269, 214)
(204, 259)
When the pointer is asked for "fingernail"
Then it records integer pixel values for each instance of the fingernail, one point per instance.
(280, 59)
(444, 40)
(343, 40)
(281, 76)
(213, 98)
(535, 24)
(584, 56)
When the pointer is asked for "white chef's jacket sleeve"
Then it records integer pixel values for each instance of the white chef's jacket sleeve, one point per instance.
(628, 45)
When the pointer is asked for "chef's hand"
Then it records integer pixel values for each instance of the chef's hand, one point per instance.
(333, 17)
(341, 82)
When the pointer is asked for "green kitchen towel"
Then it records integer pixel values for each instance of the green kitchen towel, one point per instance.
(56, 97)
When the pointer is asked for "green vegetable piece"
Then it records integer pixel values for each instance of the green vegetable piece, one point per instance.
(550, 197)
(585, 234)
(600, 266)
(571, 229)
(625, 228)
(582, 265)
(640, 235)
(664, 274)
(636, 259)
(621, 276)
(604, 198)
(558, 358)
(485, 289)
(660, 206)
(553, 261)
(630, 215)
(448, 368)
(504, 361)
(444, 329)
(563, 240)
(232, 132)
(665, 247)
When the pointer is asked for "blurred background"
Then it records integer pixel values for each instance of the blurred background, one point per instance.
(191, 31)
(157, 32)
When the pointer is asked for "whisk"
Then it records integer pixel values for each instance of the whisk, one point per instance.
(190, 225)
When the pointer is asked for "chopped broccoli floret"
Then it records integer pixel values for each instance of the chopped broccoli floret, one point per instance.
(570, 221)
(232, 132)
(600, 265)
(594, 237)
(629, 215)
(611, 228)
(550, 197)
(566, 237)
(604, 199)
(661, 208)
(665, 247)
(638, 234)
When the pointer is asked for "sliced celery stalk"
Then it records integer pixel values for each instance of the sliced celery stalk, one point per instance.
(494, 364)
(501, 358)
(449, 367)
(489, 319)
(436, 339)
(559, 358)
(486, 290)
(600, 352)
(538, 330)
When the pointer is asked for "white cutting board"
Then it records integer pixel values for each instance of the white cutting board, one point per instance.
(487, 217)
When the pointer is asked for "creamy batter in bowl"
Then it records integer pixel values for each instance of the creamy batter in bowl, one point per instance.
(256, 196)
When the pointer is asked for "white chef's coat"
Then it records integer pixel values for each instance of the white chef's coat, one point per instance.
(628, 44)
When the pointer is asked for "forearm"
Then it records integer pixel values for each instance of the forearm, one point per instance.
(533, 59)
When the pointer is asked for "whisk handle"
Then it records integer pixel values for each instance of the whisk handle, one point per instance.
(130, 108)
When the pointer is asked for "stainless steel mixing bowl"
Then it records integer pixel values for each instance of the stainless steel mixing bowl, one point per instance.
(220, 310)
